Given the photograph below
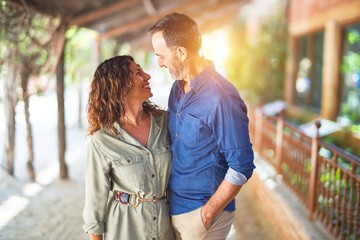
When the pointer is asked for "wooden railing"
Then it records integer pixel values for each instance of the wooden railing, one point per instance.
(325, 178)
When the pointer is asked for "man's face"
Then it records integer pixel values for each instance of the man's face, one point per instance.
(167, 57)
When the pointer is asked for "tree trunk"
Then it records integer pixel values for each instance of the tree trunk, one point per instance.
(9, 107)
(61, 116)
(80, 103)
(25, 75)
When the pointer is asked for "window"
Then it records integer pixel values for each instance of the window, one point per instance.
(350, 76)
(308, 84)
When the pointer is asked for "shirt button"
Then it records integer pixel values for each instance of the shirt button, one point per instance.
(153, 175)
(154, 218)
(178, 115)
(154, 239)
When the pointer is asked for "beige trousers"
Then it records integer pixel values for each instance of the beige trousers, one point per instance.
(189, 226)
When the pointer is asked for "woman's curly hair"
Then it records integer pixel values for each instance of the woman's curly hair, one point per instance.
(110, 85)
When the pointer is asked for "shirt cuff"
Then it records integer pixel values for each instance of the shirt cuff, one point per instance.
(235, 178)
(94, 228)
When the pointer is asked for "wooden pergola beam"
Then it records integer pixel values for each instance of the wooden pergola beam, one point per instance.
(206, 23)
(219, 16)
(102, 12)
(146, 20)
(118, 31)
(149, 7)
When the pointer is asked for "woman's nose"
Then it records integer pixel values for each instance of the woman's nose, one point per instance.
(146, 76)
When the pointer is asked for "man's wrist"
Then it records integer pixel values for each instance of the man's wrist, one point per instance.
(207, 213)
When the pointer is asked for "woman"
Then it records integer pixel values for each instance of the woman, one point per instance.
(129, 158)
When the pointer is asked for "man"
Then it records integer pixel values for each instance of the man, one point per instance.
(212, 153)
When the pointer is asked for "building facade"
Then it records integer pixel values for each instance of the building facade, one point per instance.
(323, 66)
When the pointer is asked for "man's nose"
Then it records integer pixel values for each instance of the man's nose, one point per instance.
(160, 63)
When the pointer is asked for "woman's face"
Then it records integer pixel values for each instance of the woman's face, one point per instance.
(140, 88)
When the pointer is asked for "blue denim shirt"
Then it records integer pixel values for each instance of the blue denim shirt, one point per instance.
(209, 140)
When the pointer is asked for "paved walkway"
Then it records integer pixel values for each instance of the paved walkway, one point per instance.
(51, 208)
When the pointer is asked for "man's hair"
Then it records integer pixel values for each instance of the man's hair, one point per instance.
(179, 30)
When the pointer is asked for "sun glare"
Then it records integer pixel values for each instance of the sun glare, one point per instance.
(215, 48)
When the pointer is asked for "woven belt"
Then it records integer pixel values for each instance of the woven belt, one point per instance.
(124, 198)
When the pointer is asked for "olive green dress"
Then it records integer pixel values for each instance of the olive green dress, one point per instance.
(121, 163)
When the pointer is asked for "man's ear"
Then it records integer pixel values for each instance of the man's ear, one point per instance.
(182, 53)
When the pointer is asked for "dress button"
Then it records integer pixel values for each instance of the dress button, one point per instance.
(154, 218)
(153, 175)
(128, 160)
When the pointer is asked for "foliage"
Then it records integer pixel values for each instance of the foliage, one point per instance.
(28, 32)
(257, 65)
(80, 59)
(351, 71)
(26, 37)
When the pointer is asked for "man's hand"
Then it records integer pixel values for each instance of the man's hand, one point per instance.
(216, 204)
(205, 220)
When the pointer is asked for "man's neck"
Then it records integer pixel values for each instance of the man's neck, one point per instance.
(195, 66)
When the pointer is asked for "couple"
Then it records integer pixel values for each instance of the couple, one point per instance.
(141, 182)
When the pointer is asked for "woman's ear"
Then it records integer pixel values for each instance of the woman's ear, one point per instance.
(182, 53)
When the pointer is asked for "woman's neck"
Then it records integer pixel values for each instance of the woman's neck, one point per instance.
(134, 113)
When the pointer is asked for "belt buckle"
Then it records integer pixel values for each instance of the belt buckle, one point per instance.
(137, 201)
(121, 200)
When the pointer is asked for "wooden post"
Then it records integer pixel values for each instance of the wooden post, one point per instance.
(10, 98)
(291, 68)
(279, 141)
(314, 171)
(63, 170)
(97, 50)
(258, 129)
(330, 101)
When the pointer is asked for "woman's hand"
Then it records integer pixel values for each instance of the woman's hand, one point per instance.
(96, 237)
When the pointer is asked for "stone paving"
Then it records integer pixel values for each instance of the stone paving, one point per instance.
(51, 208)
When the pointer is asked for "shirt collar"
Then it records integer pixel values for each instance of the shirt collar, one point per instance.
(200, 79)
(154, 119)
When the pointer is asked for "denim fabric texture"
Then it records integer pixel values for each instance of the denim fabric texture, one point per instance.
(209, 140)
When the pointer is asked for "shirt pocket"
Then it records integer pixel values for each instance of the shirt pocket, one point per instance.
(193, 131)
(130, 170)
(163, 157)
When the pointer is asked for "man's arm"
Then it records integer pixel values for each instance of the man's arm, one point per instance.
(221, 198)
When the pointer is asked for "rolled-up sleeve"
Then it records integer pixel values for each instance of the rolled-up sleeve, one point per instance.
(232, 137)
(235, 178)
(97, 187)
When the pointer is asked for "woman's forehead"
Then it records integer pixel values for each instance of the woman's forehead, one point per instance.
(134, 66)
